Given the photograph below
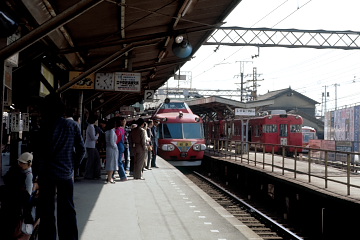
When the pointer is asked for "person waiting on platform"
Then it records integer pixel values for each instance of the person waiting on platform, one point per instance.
(120, 133)
(112, 151)
(155, 144)
(149, 143)
(93, 165)
(131, 150)
(15, 198)
(61, 148)
(138, 141)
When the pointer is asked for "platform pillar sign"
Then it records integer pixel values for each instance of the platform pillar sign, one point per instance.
(149, 95)
(15, 122)
(25, 122)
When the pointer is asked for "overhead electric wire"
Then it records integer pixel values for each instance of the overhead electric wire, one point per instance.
(241, 47)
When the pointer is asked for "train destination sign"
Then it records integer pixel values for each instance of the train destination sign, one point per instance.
(244, 111)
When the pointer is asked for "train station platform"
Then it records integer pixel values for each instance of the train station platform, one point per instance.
(166, 205)
(335, 180)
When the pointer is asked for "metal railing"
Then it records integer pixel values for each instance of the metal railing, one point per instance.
(343, 166)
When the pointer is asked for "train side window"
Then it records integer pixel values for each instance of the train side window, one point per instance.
(295, 128)
(274, 128)
(269, 128)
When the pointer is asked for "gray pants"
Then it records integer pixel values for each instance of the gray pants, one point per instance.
(93, 164)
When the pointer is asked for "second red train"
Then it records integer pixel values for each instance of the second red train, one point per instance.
(273, 130)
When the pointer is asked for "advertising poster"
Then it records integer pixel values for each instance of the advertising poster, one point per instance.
(328, 126)
(344, 146)
(86, 83)
(338, 125)
(356, 128)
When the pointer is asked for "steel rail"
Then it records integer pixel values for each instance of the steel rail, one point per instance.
(284, 232)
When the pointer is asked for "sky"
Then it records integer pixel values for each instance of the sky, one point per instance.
(308, 71)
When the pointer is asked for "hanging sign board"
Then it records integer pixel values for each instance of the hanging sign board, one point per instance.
(15, 122)
(127, 82)
(149, 95)
(25, 122)
(85, 83)
(13, 61)
(179, 77)
(244, 112)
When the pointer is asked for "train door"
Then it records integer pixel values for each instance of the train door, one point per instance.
(284, 133)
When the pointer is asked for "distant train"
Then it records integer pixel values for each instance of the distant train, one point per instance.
(181, 134)
(309, 133)
(278, 129)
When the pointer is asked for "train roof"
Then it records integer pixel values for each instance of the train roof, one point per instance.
(173, 117)
(270, 116)
(173, 106)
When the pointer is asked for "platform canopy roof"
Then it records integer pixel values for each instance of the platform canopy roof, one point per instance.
(215, 107)
(111, 36)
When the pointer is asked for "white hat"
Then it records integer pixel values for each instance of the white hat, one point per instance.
(26, 157)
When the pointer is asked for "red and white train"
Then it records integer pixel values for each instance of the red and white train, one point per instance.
(309, 133)
(273, 130)
(180, 134)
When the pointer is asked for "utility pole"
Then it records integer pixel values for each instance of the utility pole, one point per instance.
(254, 83)
(241, 75)
(325, 95)
(336, 85)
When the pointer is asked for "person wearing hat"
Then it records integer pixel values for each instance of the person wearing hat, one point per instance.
(20, 176)
(25, 162)
(15, 196)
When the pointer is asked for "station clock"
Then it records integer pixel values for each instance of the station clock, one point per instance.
(104, 81)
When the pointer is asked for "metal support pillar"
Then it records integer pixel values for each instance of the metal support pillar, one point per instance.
(2, 110)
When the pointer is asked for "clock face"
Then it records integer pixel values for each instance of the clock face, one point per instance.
(104, 81)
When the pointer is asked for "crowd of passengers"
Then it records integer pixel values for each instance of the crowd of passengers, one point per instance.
(59, 155)
(118, 147)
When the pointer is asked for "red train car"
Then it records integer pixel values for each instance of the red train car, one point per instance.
(279, 129)
(180, 134)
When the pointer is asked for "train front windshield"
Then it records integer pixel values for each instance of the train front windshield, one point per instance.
(181, 131)
(307, 136)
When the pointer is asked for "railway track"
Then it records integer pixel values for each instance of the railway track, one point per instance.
(261, 224)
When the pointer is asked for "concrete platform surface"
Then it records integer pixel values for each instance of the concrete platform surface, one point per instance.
(166, 205)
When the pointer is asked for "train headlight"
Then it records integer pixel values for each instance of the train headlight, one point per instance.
(199, 147)
(168, 147)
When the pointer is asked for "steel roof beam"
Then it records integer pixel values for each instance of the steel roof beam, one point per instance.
(290, 38)
(102, 64)
(47, 27)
